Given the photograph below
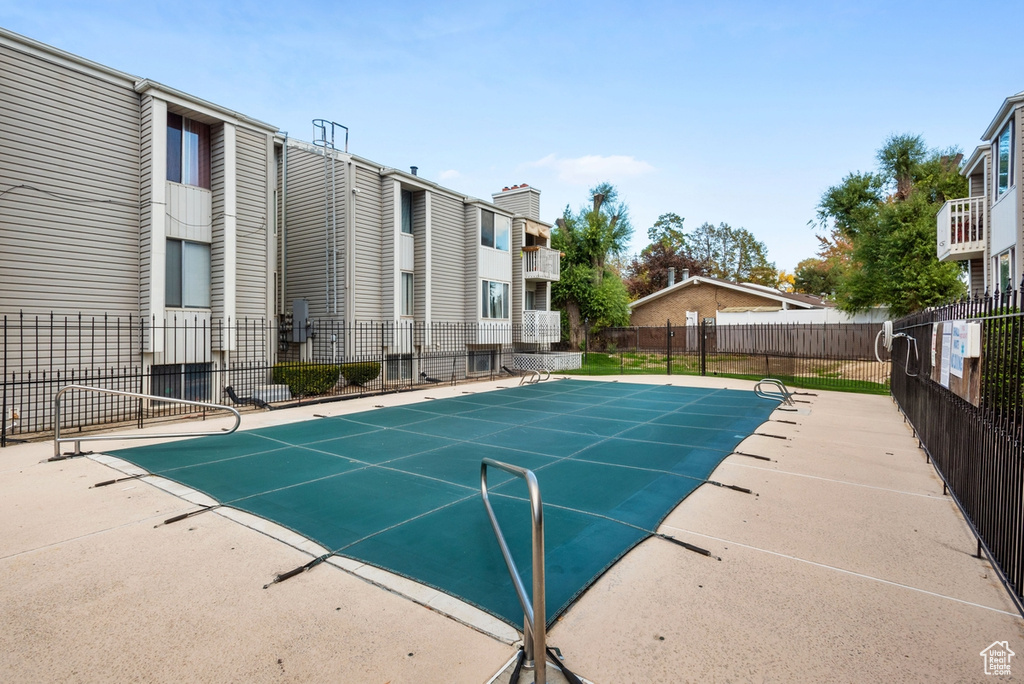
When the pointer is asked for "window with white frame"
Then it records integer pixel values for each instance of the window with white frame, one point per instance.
(494, 230)
(494, 299)
(187, 281)
(480, 361)
(407, 212)
(1004, 270)
(1004, 161)
(408, 302)
(188, 151)
(531, 300)
(189, 381)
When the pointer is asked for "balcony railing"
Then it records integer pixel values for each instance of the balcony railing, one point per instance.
(541, 263)
(541, 327)
(961, 226)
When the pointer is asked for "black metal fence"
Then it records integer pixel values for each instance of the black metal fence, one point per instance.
(248, 361)
(976, 447)
(826, 356)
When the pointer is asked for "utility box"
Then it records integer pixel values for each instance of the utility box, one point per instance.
(300, 320)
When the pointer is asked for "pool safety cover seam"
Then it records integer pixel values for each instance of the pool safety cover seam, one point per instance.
(398, 488)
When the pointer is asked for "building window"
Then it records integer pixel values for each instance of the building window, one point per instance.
(407, 294)
(407, 212)
(1004, 266)
(1004, 175)
(480, 361)
(188, 274)
(494, 230)
(399, 367)
(189, 381)
(494, 299)
(188, 151)
(531, 300)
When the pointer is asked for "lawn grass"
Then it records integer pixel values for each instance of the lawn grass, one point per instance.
(826, 376)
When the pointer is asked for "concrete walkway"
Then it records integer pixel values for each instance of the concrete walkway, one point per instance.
(847, 565)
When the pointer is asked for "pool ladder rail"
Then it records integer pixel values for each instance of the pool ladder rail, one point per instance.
(78, 439)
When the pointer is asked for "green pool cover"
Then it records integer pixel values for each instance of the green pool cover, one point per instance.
(399, 487)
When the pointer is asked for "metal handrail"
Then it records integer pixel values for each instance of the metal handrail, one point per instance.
(58, 440)
(532, 377)
(783, 394)
(534, 630)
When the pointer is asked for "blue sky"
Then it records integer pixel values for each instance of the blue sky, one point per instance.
(742, 112)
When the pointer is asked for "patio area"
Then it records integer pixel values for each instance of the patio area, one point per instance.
(846, 563)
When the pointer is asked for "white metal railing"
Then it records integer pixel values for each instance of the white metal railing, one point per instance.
(541, 263)
(78, 439)
(541, 326)
(961, 227)
(535, 610)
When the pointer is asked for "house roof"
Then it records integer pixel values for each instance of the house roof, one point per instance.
(1004, 110)
(800, 301)
(977, 157)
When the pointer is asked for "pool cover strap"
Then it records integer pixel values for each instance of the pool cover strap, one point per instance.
(553, 658)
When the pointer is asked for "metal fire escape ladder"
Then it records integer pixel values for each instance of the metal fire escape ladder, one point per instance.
(324, 136)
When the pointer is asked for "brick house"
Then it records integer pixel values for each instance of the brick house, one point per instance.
(697, 298)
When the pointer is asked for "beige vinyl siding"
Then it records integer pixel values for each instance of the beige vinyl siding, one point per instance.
(252, 225)
(447, 259)
(526, 203)
(76, 136)
(388, 237)
(518, 284)
(471, 259)
(307, 245)
(146, 196)
(368, 269)
(419, 233)
(217, 284)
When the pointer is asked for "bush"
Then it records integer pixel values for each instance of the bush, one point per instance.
(306, 379)
(360, 373)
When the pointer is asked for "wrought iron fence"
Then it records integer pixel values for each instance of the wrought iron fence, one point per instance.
(826, 356)
(972, 435)
(250, 361)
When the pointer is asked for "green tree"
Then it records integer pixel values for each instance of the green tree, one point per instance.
(814, 276)
(887, 218)
(732, 254)
(589, 289)
(647, 272)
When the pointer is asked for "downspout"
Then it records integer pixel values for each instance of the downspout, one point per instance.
(284, 223)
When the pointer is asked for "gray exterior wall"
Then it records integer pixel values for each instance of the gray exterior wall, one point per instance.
(74, 138)
(367, 262)
(448, 258)
(522, 201)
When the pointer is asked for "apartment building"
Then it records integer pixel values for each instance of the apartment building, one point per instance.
(168, 234)
(985, 229)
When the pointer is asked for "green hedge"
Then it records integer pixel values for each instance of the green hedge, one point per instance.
(360, 373)
(306, 379)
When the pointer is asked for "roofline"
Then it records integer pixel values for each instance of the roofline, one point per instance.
(977, 157)
(140, 85)
(146, 85)
(81, 64)
(697, 280)
(1004, 110)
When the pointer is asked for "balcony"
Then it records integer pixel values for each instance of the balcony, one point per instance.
(541, 263)
(541, 327)
(961, 227)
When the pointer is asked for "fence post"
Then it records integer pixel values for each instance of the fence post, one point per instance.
(668, 346)
(703, 333)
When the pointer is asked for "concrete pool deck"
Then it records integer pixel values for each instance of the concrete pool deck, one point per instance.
(848, 564)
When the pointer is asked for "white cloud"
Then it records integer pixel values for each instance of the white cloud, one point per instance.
(593, 168)
(449, 174)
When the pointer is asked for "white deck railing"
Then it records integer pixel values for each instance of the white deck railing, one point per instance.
(541, 326)
(541, 263)
(961, 226)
